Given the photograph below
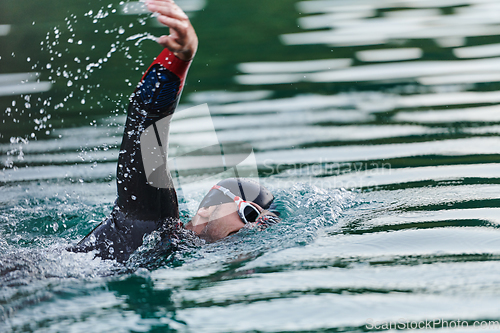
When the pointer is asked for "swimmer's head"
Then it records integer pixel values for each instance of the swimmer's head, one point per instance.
(228, 206)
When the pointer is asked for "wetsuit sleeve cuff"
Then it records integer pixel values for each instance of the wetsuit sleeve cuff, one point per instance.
(177, 66)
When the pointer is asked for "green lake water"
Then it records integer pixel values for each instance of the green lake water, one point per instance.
(374, 122)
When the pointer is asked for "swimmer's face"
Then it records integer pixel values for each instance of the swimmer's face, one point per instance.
(217, 222)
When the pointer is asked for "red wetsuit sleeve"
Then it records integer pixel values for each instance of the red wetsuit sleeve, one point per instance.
(177, 66)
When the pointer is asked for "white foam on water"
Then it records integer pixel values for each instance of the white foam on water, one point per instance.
(384, 32)
(4, 29)
(25, 88)
(139, 7)
(67, 157)
(294, 66)
(8, 79)
(221, 97)
(331, 19)
(314, 312)
(304, 102)
(459, 79)
(324, 6)
(258, 79)
(142, 37)
(483, 130)
(458, 147)
(77, 171)
(22, 83)
(405, 70)
(414, 198)
(358, 102)
(134, 8)
(489, 214)
(191, 5)
(390, 54)
(380, 177)
(292, 136)
(404, 277)
(350, 22)
(463, 97)
(412, 13)
(453, 41)
(479, 51)
(475, 114)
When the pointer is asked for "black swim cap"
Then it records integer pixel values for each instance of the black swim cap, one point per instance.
(247, 189)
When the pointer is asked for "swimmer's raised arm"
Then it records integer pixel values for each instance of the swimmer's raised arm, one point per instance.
(182, 40)
(147, 200)
(144, 193)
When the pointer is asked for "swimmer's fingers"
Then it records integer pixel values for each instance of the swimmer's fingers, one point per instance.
(166, 8)
(170, 43)
(182, 40)
(181, 28)
(266, 219)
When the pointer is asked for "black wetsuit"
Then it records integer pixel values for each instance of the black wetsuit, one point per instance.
(143, 205)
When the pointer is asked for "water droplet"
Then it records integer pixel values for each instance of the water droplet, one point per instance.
(133, 197)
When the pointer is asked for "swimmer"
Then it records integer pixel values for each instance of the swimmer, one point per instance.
(143, 206)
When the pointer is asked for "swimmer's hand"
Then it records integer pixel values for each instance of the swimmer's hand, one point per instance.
(182, 40)
(266, 219)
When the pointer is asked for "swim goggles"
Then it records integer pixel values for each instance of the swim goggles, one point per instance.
(247, 212)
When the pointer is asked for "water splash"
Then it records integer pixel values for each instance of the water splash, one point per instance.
(142, 37)
(15, 152)
(305, 210)
(34, 258)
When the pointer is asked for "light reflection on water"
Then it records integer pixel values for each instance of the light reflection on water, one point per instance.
(401, 110)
